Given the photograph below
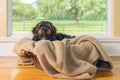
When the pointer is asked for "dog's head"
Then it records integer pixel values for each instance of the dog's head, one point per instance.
(44, 29)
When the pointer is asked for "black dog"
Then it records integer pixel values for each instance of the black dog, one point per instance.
(45, 30)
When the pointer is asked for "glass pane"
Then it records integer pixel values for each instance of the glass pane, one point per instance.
(68, 16)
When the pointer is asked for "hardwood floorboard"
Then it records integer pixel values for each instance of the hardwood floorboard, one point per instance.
(9, 70)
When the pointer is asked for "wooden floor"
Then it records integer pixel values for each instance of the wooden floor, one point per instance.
(9, 70)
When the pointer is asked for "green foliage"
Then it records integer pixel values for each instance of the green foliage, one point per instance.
(22, 10)
(88, 9)
(62, 9)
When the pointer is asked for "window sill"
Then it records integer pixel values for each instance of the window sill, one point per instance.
(18, 36)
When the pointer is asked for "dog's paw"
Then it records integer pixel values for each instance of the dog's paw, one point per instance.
(22, 53)
(25, 53)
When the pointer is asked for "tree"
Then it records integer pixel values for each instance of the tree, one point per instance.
(51, 9)
(80, 7)
(76, 9)
(22, 10)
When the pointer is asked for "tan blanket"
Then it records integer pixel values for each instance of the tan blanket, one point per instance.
(77, 58)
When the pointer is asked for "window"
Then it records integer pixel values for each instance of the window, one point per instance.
(68, 16)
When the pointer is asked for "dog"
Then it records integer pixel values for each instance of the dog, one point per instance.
(45, 30)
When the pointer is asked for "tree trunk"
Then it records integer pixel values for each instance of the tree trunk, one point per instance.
(78, 16)
(77, 19)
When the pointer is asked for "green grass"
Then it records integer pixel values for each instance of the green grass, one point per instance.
(64, 26)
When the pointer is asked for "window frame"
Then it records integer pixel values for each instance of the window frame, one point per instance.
(9, 30)
(109, 17)
(109, 22)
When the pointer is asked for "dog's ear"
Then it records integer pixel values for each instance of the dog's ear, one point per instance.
(54, 30)
(34, 30)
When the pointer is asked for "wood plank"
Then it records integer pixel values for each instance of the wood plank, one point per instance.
(9, 70)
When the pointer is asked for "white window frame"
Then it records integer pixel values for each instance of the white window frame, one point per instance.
(109, 16)
(20, 35)
(9, 12)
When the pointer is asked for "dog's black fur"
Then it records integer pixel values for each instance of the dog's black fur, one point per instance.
(46, 30)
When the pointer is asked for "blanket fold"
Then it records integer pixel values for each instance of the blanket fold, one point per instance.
(77, 58)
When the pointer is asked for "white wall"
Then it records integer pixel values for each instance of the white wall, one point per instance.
(6, 49)
(7, 43)
(113, 49)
